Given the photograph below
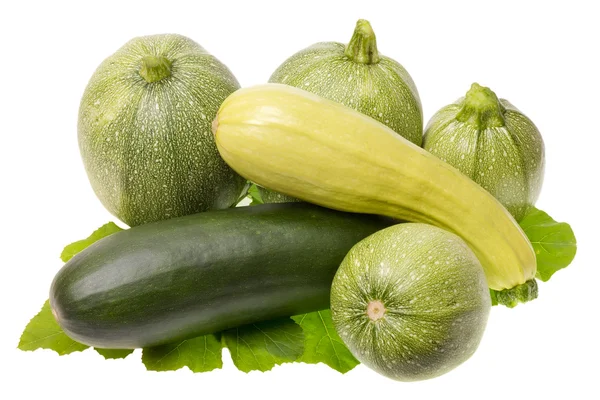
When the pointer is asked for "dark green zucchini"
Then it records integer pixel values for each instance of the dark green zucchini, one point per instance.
(188, 276)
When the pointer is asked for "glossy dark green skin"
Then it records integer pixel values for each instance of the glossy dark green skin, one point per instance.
(188, 276)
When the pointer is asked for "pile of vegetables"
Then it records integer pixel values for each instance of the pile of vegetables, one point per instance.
(368, 239)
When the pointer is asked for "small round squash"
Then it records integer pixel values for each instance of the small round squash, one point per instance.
(492, 142)
(145, 130)
(410, 301)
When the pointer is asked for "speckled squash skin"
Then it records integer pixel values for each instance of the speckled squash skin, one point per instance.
(357, 76)
(492, 142)
(410, 301)
(145, 130)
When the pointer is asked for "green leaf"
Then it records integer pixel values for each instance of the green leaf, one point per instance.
(113, 353)
(105, 230)
(554, 242)
(254, 194)
(263, 345)
(200, 354)
(243, 195)
(322, 343)
(43, 332)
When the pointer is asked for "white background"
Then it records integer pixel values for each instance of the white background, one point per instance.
(543, 57)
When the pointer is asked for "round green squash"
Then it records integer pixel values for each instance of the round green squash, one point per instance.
(357, 76)
(492, 142)
(145, 130)
(410, 301)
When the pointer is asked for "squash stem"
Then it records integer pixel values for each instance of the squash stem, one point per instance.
(155, 68)
(519, 294)
(481, 108)
(363, 44)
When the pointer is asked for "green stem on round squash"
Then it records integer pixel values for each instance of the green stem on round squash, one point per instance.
(155, 68)
(363, 45)
(519, 294)
(481, 108)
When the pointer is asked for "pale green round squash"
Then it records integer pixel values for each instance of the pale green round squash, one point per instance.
(357, 76)
(145, 130)
(492, 142)
(411, 301)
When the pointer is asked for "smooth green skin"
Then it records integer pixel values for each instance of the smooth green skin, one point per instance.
(189, 276)
(492, 142)
(435, 295)
(145, 130)
(359, 77)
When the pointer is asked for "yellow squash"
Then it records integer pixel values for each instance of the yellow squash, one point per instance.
(302, 145)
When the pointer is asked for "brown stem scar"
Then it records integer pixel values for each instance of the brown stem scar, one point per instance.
(375, 310)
